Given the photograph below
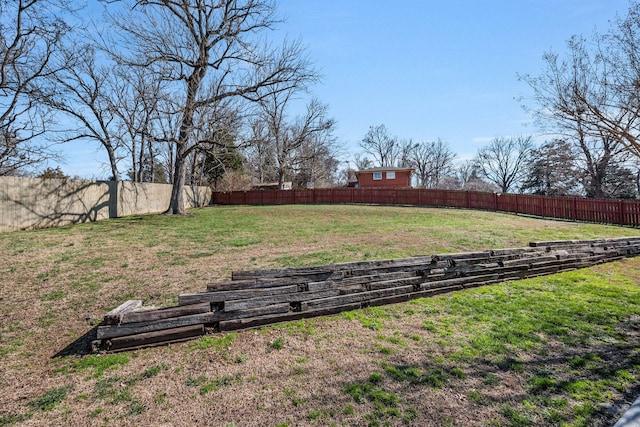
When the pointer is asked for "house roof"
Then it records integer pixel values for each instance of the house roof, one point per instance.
(385, 169)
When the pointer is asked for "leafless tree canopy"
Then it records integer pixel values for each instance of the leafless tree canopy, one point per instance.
(381, 146)
(207, 52)
(588, 96)
(301, 149)
(503, 161)
(30, 34)
(433, 160)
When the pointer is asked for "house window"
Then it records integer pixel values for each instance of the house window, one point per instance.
(391, 175)
(377, 176)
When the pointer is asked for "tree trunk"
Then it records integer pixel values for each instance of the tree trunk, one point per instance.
(112, 162)
(176, 205)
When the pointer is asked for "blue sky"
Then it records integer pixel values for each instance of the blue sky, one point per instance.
(425, 69)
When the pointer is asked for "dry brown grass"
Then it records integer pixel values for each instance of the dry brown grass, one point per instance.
(57, 284)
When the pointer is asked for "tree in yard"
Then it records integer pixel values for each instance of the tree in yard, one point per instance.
(433, 160)
(568, 95)
(589, 96)
(503, 161)
(362, 162)
(53, 173)
(83, 95)
(208, 51)
(319, 164)
(31, 32)
(466, 174)
(293, 143)
(381, 146)
(552, 170)
(136, 101)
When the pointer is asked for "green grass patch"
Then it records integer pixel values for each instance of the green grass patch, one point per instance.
(216, 342)
(579, 326)
(99, 363)
(50, 399)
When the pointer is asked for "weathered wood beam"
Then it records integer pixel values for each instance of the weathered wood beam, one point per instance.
(105, 332)
(115, 316)
(149, 339)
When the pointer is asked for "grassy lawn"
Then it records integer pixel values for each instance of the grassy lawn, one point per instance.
(555, 350)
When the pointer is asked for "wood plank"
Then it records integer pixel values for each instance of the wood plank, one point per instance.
(236, 285)
(508, 253)
(252, 312)
(105, 332)
(115, 316)
(383, 270)
(464, 256)
(460, 281)
(383, 263)
(529, 260)
(416, 280)
(221, 296)
(357, 280)
(561, 243)
(435, 291)
(353, 298)
(254, 322)
(543, 271)
(244, 304)
(150, 338)
(164, 313)
(325, 270)
(321, 286)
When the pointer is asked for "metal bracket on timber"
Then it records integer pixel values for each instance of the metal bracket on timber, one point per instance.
(262, 297)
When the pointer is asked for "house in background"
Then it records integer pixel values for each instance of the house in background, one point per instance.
(384, 177)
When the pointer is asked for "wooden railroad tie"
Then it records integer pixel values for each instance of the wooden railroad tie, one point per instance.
(262, 297)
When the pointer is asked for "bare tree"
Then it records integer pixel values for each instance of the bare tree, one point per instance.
(84, 94)
(362, 162)
(260, 152)
(209, 50)
(433, 161)
(30, 34)
(467, 176)
(135, 100)
(405, 148)
(380, 145)
(217, 151)
(503, 161)
(575, 100)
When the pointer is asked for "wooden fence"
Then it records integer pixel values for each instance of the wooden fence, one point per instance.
(608, 211)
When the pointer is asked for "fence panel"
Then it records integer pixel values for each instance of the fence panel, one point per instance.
(486, 201)
(342, 195)
(383, 196)
(456, 199)
(624, 212)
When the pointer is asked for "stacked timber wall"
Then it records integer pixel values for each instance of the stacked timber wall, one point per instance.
(608, 211)
(255, 298)
(37, 203)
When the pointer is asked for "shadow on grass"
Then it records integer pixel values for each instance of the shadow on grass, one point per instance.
(589, 386)
(80, 347)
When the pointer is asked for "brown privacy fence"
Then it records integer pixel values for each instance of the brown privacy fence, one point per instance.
(609, 211)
